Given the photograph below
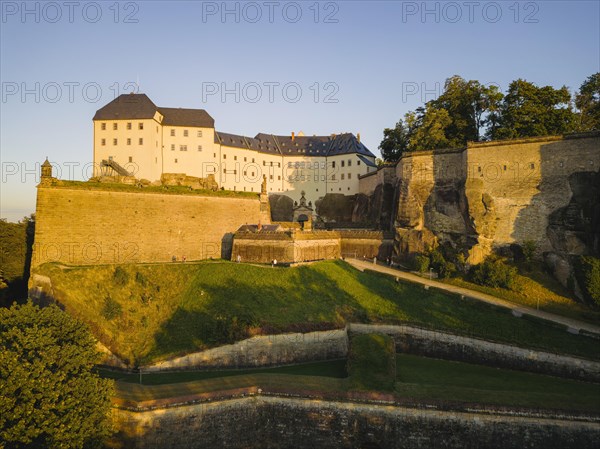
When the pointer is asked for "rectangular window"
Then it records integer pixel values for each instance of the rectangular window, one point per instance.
(279, 164)
(141, 141)
(199, 147)
(214, 154)
(114, 141)
(333, 164)
(103, 142)
(270, 177)
(264, 163)
(244, 159)
(343, 163)
(185, 133)
(130, 159)
(182, 147)
(172, 133)
(224, 156)
(253, 160)
(357, 162)
(140, 125)
(342, 173)
(349, 163)
(175, 160)
(200, 133)
(278, 178)
(128, 125)
(115, 126)
(128, 141)
(103, 126)
(235, 158)
(349, 175)
(172, 147)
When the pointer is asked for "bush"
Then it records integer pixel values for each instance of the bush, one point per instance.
(588, 275)
(494, 272)
(50, 396)
(442, 267)
(421, 263)
(120, 276)
(372, 362)
(111, 309)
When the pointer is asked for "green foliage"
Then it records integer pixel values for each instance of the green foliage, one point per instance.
(395, 142)
(494, 272)
(111, 309)
(49, 396)
(529, 248)
(529, 111)
(588, 103)
(140, 279)
(588, 274)
(372, 362)
(440, 265)
(120, 276)
(16, 240)
(421, 263)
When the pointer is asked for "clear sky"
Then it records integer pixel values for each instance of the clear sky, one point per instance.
(266, 66)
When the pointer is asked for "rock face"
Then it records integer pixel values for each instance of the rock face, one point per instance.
(282, 207)
(492, 195)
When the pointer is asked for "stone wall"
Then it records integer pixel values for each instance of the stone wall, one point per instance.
(333, 344)
(265, 422)
(95, 226)
(414, 340)
(266, 350)
(493, 194)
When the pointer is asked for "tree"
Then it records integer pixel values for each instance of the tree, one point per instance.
(529, 111)
(49, 396)
(468, 104)
(429, 127)
(395, 142)
(588, 103)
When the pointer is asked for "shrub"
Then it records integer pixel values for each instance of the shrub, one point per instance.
(421, 263)
(494, 272)
(529, 248)
(372, 362)
(111, 308)
(443, 268)
(588, 275)
(140, 279)
(120, 276)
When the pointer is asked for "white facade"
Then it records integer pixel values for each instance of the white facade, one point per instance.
(147, 148)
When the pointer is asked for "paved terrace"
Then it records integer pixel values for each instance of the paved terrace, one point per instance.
(573, 325)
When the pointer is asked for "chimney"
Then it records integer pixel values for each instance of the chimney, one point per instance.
(293, 136)
(358, 137)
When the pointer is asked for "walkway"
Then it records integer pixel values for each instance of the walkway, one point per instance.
(573, 324)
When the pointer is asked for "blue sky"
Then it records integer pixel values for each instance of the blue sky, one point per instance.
(345, 66)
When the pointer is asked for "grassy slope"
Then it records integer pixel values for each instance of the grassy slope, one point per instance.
(537, 288)
(172, 309)
(425, 378)
(417, 378)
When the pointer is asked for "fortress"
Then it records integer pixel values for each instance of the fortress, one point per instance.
(134, 136)
(478, 199)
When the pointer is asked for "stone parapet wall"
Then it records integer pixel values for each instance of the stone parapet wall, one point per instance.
(266, 350)
(88, 227)
(414, 340)
(264, 422)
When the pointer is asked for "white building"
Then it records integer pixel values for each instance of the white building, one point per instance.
(149, 141)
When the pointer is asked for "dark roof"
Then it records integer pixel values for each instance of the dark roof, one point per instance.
(367, 161)
(139, 106)
(300, 145)
(186, 117)
(134, 106)
(264, 228)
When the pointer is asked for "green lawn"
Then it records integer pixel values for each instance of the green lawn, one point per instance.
(157, 311)
(424, 378)
(418, 379)
(537, 289)
(332, 368)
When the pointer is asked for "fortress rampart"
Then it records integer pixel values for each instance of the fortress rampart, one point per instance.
(95, 226)
(493, 194)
